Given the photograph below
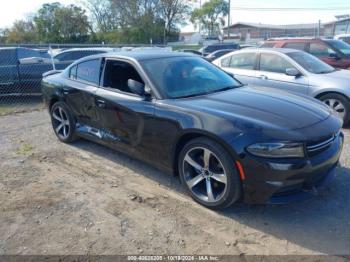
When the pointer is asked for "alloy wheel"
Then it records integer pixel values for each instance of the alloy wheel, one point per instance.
(61, 122)
(337, 106)
(204, 174)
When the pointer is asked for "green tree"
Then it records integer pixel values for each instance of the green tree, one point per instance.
(103, 16)
(62, 24)
(22, 31)
(174, 13)
(210, 15)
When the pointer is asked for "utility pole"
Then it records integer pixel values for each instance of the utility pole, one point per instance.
(199, 26)
(229, 19)
(319, 29)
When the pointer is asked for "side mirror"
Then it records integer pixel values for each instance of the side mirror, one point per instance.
(136, 87)
(334, 56)
(292, 72)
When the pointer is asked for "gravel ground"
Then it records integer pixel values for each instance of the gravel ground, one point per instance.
(86, 199)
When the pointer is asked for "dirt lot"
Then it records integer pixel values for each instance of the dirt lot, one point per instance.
(86, 199)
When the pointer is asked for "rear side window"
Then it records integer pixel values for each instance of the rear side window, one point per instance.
(298, 46)
(89, 71)
(267, 45)
(225, 62)
(243, 61)
(8, 57)
(274, 63)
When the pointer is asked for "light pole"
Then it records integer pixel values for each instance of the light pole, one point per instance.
(229, 19)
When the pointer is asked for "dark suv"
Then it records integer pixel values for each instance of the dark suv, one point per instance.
(334, 52)
(206, 50)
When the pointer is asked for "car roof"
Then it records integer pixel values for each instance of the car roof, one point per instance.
(276, 50)
(301, 39)
(222, 44)
(143, 55)
(104, 49)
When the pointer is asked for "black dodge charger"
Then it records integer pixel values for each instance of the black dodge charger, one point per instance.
(226, 141)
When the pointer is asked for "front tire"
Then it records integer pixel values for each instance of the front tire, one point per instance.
(340, 104)
(208, 172)
(63, 123)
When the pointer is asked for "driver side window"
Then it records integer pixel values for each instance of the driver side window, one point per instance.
(117, 73)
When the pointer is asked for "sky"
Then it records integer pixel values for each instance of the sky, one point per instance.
(12, 10)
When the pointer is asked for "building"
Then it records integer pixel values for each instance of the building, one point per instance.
(340, 26)
(246, 31)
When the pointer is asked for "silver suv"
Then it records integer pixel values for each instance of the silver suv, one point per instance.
(293, 71)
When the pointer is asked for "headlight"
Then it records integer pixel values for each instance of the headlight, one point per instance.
(277, 150)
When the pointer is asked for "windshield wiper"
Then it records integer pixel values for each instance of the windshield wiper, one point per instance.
(325, 72)
(211, 92)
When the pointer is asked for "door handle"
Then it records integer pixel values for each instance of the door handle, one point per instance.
(263, 77)
(101, 103)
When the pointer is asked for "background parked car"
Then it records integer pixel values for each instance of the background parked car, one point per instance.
(293, 71)
(206, 50)
(21, 69)
(65, 58)
(343, 37)
(192, 51)
(334, 52)
(217, 54)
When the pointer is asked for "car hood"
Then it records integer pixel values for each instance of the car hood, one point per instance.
(338, 78)
(260, 106)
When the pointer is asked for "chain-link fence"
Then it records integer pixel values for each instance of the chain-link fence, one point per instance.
(22, 67)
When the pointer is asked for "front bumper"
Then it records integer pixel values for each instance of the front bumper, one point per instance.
(279, 181)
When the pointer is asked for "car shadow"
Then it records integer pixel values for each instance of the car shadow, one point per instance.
(321, 224)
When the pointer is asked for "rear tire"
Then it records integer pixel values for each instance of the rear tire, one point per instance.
(63, 122)
(208, 171)
(340, 104)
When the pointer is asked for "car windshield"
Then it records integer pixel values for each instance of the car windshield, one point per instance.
(179, 77)
(311, 63)
(340, 46)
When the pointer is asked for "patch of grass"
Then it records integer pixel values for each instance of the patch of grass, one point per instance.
(6, 110)
(25, 149)
(179, 47)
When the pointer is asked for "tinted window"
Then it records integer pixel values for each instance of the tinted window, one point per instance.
(243, 61)
(311, 63)
(298, 46)
(177, 77)
(212, 48)
(89, 71)
(8, 57)
(274, 63)
(320, 49)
